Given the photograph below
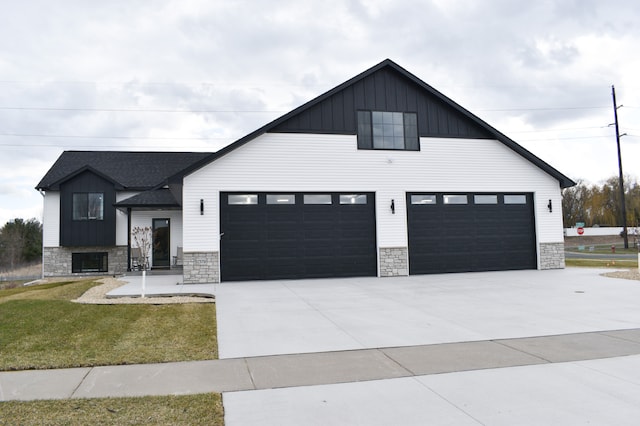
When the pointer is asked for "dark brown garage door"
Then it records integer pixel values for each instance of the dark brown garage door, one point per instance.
(470, 232)
(297, 235)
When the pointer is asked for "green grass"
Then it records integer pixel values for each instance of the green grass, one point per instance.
(602, 263)
(204, 409)
(41, 328)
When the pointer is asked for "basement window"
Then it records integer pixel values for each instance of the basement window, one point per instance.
(388, 130)
(89, 262)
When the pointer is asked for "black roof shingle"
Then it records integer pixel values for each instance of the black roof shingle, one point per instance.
(127, 170)
(159, 198)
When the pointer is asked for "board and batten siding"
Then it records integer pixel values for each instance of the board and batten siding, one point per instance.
(277, 162)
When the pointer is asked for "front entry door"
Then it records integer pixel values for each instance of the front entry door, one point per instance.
(161, 243)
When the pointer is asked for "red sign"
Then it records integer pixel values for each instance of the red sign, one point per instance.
(580, 231)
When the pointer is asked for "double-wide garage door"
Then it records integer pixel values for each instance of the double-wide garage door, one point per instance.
(297, 235)
(470, 232)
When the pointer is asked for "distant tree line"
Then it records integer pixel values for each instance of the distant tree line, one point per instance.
(600, 204)
(20, 243)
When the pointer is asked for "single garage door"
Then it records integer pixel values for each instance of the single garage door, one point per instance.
(470, 232)
(297, 235)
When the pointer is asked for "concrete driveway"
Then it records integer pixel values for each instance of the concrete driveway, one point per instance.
(286, 317)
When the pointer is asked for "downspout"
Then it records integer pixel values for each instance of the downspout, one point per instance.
(42, 263)
(129, 239)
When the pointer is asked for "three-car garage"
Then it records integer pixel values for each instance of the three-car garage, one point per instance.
(313, 235)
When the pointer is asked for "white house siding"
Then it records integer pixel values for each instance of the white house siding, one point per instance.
(122, 219)
(51, 219)
(145, 218)
(332, 163)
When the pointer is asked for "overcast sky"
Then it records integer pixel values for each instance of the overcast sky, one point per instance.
(199, 74)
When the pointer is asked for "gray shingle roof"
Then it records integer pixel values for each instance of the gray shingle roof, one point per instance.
(152, 199)
(128, 170)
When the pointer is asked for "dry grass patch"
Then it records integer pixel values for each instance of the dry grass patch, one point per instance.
(41, 328)
(204, 409)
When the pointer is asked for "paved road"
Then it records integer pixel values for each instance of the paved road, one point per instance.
(588, 255)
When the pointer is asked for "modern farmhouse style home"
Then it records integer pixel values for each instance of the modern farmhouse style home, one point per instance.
(381, 176)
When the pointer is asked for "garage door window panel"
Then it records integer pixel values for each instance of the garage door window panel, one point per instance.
(353, 199)
(515, 199)
(242, 199)
(423, 200)
(280, 199)
(485, 199)
(454, 199)
(317, 199)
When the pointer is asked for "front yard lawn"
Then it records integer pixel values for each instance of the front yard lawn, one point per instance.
(204, 409)
(41, 328)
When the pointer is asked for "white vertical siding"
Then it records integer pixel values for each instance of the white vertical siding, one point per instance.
(51, 219)
(302, 162)
(122, 219)
(145, 218)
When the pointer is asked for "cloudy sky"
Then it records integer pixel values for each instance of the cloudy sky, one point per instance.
(199, 74)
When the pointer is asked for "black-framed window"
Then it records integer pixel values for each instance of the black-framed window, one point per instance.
(88, 206)
(89, 262)
(388, 130)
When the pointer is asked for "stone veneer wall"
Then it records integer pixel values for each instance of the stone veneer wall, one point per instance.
(201, 267)
(394, 261)
(552, 256)
(57, 260)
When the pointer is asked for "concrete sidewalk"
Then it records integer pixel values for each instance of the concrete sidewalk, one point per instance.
(159, 285)
(287, 371)
(519, 347)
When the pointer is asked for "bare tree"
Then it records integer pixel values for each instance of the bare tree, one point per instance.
(142, 239)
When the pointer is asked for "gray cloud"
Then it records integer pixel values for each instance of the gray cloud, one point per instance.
(524, 66)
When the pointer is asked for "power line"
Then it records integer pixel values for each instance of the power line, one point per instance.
(138, 110)
(540, 109)
(107, 137)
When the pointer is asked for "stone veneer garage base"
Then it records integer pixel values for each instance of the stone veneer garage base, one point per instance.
(394, 262)
(204, 267)
(201, 267)
(552, 256)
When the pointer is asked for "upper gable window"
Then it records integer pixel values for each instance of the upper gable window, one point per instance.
(388, 130)
(88, 206)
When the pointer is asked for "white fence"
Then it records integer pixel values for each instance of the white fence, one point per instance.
(588, 232)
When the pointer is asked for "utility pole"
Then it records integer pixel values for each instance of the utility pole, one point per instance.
(622, 200)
